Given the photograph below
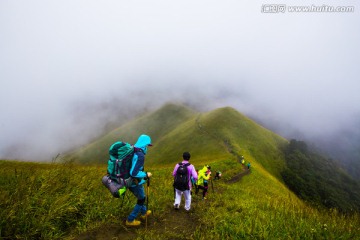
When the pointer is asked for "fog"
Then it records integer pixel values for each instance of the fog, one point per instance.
(69, 67)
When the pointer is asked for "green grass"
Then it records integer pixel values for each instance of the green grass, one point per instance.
(46, 200)
(221, 133)
(156, 124)
(56, 201)
(63, 200)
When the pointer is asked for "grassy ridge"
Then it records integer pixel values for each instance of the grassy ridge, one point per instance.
(186, 137)
(59, 201)
(52, 201)
(260, 207)
(155, 124)
(221, 133)
(243, 136)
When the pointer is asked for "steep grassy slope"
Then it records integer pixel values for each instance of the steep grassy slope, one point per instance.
(59, 201)
(223, 133)
(319, 180)
(68, 201)
(154, 124)
(186, 137)
(219, 135)
(242, 136)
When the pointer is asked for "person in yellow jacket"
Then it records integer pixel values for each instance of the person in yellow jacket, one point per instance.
(204, 175)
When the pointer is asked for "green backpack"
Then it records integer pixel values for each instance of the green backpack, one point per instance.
(120, 161)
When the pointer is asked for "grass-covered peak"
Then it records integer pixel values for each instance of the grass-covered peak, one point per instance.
(222, 133)
(61, 201)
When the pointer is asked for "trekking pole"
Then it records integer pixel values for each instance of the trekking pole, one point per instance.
(174, 193)
(147, 201)
(123, 198)
(212, 185)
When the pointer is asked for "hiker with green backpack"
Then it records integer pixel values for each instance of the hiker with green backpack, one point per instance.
(126, 171)
(137, 172)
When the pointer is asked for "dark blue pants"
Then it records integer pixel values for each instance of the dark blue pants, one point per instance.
(140, 207)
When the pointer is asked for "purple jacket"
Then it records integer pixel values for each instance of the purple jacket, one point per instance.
(191, 172)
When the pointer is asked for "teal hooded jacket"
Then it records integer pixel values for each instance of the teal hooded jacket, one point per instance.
(137, 168)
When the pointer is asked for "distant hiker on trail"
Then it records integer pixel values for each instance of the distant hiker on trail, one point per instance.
(137, 171)
(183, 172)
(202, 182)
(217, 175)
(248, 165)
(243, 162)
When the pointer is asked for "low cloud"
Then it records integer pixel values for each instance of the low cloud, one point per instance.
(69, 68)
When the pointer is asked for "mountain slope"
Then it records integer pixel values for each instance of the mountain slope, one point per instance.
(154, 124)
(242, 136)
(319, 180)
(62, 199)
(223, 133)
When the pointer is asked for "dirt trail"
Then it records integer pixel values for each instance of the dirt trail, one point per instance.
(177, 223)
(238, 177)
(109, 231)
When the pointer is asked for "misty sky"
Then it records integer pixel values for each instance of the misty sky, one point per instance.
(66, 66)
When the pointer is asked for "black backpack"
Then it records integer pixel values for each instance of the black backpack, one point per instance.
(181, 180)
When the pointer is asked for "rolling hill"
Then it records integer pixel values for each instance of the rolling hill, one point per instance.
(67, 201)
(223, 133)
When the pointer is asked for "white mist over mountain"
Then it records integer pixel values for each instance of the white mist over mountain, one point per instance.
(67, 68)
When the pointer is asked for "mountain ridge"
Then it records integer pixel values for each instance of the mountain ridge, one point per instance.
(216, 134)
(264, 204)
(224, 134)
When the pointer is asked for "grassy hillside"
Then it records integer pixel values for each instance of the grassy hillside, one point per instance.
(224, 133)
(219, 134)
(155, 124)
(68, 201)
(242, 136)
(319, 180)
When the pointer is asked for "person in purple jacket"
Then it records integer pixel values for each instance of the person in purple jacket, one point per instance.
(186, 191)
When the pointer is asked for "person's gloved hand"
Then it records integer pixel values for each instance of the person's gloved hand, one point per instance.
(148, 175)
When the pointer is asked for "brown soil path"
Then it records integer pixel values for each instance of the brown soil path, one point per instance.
(177, 224)
(238, 177)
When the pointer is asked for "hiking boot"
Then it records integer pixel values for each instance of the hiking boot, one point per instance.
(148, 213)
(176, 206)
(134, 223)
